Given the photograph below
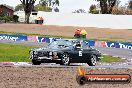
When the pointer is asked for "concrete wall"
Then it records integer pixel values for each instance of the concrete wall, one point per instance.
(87, 20)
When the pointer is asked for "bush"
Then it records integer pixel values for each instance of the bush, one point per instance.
(1, 18)
(10, 18)
(15, 18)
(6, 18)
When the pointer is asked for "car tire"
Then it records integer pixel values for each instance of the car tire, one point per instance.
(34, 62)
(92, 61)
(65, 59)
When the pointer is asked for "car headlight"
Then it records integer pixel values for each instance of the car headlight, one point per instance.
(31, 52)
(54, 53)
(35, 52)
(98, 50)
(50, 53)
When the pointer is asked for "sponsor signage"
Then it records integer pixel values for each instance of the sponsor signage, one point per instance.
(13, 37)
(83, 78)
(41, 39)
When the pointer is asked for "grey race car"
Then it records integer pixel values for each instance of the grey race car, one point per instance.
(65, 52)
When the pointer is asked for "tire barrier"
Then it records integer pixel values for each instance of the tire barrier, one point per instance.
(41, 39)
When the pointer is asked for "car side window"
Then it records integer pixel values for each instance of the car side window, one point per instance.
(85, 46)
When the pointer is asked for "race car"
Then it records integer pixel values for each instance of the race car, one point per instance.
(64, 52)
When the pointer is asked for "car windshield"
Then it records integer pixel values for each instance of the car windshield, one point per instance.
(60, 44)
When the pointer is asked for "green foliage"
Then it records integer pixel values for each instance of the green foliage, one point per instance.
(19, 7)
(57, 2)
(15, 18)
(49, 2)
(14, 53)
(7, 18)
(42, 8)
(93, 9)
(45, 5)
(1, 18)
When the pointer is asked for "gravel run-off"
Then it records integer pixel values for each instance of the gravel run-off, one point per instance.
(41, 77)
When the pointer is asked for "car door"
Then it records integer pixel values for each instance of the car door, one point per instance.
(86, 51)
(76, 54)
(82, 54)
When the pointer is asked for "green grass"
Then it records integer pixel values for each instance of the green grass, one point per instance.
(109, 59)
(20, 53)
(14, 53)
(114, 37)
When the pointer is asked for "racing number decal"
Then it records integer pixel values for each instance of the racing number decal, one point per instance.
(80, 53)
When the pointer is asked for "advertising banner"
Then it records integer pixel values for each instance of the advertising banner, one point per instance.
(41, 39)
(90, 42)
(113, 44)
(13, 37)
(32, 38)
(46, 39)
(119, 45)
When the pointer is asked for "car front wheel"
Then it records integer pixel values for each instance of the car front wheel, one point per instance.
(92, 61)
(34, 62)
(65, 60)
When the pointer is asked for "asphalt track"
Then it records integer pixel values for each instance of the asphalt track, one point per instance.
(123, 53)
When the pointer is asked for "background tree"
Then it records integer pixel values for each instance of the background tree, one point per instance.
(93, 9)
(50, 4)
(19, 7)
(28, 7)
(115, 9)
(130, 4)
(106, 6)
(42, 8)
(117, 3)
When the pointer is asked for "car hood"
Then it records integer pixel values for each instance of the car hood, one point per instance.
(49, 49)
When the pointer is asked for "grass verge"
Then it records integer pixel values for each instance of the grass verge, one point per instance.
(109, 59)
(20, 53)
(14, 53)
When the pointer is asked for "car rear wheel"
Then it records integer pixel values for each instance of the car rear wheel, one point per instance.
(92, 61)
(34, 62)
(65, 60)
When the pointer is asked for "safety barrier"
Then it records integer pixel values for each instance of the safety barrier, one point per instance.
(41, 39)
(13, 37)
